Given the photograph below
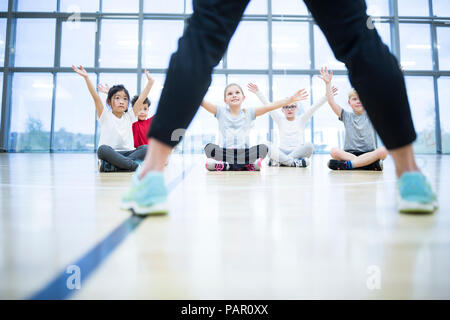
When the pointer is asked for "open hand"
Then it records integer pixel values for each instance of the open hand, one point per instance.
(103, 88)
(80, 71)
(149, 78)
(334, 90)
(299, 96)
(252, 88)
(325, 75)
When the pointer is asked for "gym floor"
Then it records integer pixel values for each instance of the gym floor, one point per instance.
(282, 233)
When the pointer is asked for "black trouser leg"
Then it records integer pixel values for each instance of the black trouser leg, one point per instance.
(373, 71)
(200, 49)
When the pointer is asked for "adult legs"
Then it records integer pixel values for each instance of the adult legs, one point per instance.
(373, 71)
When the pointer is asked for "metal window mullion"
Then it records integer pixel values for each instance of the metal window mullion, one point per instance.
(312, 67)
(270, 70)
(97, 66)
(140, 39)
(56, 64)
(435, 56)
(11, 27)
(395, 28)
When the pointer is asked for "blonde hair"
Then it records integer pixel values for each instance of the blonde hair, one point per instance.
(352, 93)
(232, 84)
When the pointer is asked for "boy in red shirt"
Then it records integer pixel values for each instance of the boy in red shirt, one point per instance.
(141, 127)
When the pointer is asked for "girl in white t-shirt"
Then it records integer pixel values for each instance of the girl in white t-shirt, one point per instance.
(116, 150)
(234, 127)
(293, 150)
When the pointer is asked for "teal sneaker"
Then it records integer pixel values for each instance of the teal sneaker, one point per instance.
(146, 196)
(414, 194)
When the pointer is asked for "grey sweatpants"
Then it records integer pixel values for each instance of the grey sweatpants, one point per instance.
(286, 157)
(123, 160)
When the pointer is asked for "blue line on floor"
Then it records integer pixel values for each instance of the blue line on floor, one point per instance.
(88, 263)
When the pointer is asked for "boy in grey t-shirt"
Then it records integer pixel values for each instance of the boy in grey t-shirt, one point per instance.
(360, 150)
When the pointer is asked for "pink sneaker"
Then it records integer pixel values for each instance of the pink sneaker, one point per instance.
(214, 165)
(256, 166)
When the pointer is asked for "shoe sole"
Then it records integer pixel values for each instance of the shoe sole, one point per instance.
(157, 209)
(416, 207)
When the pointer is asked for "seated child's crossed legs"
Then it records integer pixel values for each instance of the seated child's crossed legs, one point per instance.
(359, 159)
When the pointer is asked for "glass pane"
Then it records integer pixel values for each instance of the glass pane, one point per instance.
(378, 8)
(129, 80)
(156, 6)
(119, 6)
(33, 5)
(415, 47)
(35, 43)
(241, 55)
(78, 43)
(74, 114)
(119, 44)
(290, 45)
(421, 99)
(289, 7)
(79, 5)
(441, 8)
(256, 7)
(260, 130)
(443, 38)
(323, 54)
(444, 112)
(3, 5)
(2, 41)
(204, 127)
(284, 86)
(1, 94)
(328, 130)
(158, 46)
(31, 112)
(413, 8)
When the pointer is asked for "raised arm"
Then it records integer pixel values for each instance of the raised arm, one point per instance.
(98, 102)
(326, 77)
(310, 111)
(144, 94)
(103, 88)
(209, 107)
(254, 89)
(298, 96)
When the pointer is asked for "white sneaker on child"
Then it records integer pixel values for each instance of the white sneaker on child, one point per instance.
(301, 163)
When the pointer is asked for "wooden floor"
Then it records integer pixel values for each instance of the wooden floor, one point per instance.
(282, 233)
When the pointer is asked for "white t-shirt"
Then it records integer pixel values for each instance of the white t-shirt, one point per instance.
(117, 132)
(234, 131)
(292, 133)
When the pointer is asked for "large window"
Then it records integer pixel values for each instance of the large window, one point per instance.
(119, 43)
(158, 46)
(421, 99)
(78, 44)
(74, 114)
(415, 46)
(277, 45)
(2, 40)
(444, 107)
(35, 43)
(31, 112)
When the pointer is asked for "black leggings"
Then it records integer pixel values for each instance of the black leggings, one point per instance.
(122, 160)
(373, 71)
(236, 156)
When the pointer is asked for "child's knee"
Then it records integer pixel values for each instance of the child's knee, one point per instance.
(309, 147)
(334, 153)
(102, 150)
(382, 153)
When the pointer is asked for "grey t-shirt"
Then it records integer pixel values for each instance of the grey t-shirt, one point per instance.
(359, 132)
(234, 131)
